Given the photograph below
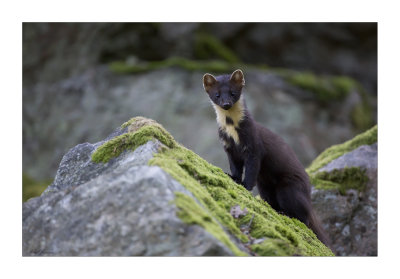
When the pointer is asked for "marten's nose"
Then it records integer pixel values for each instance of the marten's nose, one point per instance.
(227, 106)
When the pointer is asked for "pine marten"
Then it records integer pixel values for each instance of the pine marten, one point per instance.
(266, 159)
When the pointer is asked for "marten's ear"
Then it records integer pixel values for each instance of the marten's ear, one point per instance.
(237, 78)
(208, 81)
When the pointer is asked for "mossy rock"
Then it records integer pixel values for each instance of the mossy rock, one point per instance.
(269, 233)
(367, 138)
(345, 178)
(341, 179)
(140, 131)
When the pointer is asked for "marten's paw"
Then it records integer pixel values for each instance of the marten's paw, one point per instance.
(236, 179)
(248, 188)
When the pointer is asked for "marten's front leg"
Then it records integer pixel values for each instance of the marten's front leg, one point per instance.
(236, 166)
(252, 167)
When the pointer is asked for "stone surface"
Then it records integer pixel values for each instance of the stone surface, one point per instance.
(351, 219)
(122, 208)
(364, 157)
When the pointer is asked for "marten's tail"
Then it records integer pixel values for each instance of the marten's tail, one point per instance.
(316, 227)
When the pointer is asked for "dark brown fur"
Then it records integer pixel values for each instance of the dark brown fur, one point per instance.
(265, 158)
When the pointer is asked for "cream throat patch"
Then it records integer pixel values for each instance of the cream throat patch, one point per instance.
(235, 114)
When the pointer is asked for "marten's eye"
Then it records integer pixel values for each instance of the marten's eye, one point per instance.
(231, 92)
(217, 95)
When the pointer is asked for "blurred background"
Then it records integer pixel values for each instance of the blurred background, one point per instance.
(315, 84)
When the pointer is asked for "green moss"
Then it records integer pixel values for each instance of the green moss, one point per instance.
(217, 193)
(325, 88)
(130, 141)
(192, 213)
(131, 121)
(323, 184)
(361, 116)
(208, 46)
(216, 66)
(195, 173)
(346, 178)
(342, 180)
(367, 138)
(343, 85)
(32, 188)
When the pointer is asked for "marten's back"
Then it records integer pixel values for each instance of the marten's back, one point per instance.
(278, 156)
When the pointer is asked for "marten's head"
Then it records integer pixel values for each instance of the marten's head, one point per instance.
(225, 90)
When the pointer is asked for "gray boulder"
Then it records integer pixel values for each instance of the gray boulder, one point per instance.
(122, 208)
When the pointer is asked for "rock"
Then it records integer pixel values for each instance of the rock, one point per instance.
(364, 157)
(347, 204)
(122, 208)
(139, 192)
(129, 216)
